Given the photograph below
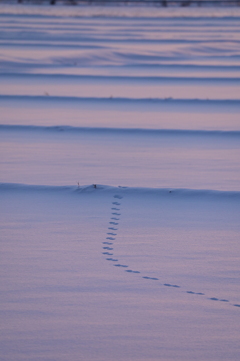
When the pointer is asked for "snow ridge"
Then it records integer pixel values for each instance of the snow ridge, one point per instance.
(124, 131)
(138, 191)
(120, 100)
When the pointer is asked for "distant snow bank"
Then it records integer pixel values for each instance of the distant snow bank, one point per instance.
(123, 190)
(118, 131)
(120, 11)
(125, 101)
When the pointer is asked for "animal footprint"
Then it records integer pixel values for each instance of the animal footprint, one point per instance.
(196, 293)
(151, 278)
(168, 285)
(116, 203)
(117, 196)
(120, 265)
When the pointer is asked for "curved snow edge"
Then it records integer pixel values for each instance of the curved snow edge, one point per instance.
(140, 191)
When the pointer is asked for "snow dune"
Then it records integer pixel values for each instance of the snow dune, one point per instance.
(118, 131)
(225, 89)
(103, 189)
(178, 158)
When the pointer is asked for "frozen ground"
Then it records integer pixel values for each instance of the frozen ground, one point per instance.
(145, 104)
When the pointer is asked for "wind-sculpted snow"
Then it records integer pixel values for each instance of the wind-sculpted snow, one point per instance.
(124, 87)
(126, 101)
(125, 79)
(124, 191)
(234, 134)
(116, 11)
(66, 44)
(120, 183)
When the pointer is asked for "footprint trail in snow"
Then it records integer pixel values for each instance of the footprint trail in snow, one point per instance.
(108, 250)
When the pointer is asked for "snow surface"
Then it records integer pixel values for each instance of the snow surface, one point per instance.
(120, 196)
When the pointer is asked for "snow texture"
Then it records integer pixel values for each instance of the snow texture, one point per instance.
(120, 183)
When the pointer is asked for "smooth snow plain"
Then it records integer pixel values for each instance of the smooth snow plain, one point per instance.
(120, 183)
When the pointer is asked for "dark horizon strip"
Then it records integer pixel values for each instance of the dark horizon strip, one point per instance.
(146, 2)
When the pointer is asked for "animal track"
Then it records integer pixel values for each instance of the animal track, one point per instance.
(116, 203)
(195, 293)
(168, 285)
(107, 248)
(216, 299)
(120, 265)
